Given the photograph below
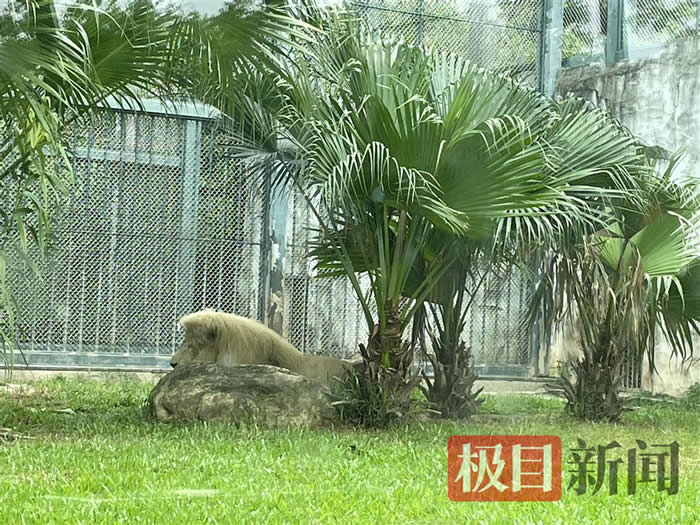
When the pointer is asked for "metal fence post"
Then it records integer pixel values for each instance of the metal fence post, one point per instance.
(265, 242)
(191, 155)
(538, 347)
(551, 45)
(616, 45)
(550, 67)
(279, 209)
(421, 22)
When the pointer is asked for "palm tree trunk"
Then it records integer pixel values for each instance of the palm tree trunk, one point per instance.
(385, 343)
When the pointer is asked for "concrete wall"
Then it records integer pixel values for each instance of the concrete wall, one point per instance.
(658, 99)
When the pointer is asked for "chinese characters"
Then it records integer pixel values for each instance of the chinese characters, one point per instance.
(529, 468)
(505, 468)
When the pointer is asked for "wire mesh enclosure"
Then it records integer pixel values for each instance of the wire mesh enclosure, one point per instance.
(651, 23)
(497, 330)
(584, 28)
(625, 28)
(500, 35)
(162, 221)
(322, 315)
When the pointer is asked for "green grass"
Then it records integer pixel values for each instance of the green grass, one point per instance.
(103, 462)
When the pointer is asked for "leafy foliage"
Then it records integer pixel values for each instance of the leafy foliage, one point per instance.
(625, 281)
(400, 153)
(53, 72)
(693, 395)
(450, 391)
(374, 396)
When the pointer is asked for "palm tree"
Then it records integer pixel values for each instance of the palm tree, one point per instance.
(443, 320)
(394, 147)
(605, 178)
(53, 72)
(620, 284)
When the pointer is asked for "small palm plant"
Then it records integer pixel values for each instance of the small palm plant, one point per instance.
(450, 390)
(638, 274)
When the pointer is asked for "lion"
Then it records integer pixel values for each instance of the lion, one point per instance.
(230, 340)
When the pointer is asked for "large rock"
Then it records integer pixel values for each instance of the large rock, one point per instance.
(245, 393)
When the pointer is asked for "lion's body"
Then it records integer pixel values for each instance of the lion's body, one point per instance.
(231, 340)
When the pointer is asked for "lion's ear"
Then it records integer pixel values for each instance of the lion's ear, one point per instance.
(212, 333)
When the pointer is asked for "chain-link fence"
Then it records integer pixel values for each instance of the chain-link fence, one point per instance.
(322, 315)
(618, 29)
(651, 23)
(500, 35)
(507, 35)
(162, 222)
(584, 28)
(497, 329)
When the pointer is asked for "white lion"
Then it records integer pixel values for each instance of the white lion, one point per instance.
(230, 340)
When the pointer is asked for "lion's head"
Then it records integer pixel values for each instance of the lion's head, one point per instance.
(201, 335)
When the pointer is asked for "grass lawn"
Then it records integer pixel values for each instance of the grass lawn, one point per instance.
(103, 462)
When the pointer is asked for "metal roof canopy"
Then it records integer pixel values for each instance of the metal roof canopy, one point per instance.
(154, 106)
